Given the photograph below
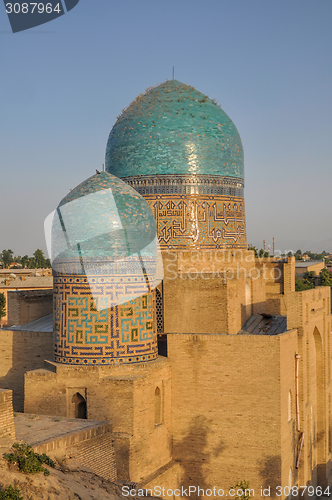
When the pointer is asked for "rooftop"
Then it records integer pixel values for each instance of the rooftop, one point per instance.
(266, 324)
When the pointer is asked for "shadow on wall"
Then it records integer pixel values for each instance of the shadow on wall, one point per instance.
(22, 352)
(194, 455)
(270, 473)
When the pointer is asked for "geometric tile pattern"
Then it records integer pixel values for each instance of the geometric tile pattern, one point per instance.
(200, 221)
(89, 332)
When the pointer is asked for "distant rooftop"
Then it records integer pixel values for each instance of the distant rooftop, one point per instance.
(44, 324)
(306, 263)
(266, 324)
(26, 282)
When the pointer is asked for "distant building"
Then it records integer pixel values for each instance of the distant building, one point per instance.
(314, 265)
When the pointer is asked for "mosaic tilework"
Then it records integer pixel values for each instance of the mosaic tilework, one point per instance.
(199, 221)
(114, 335)
(174, 129)
(101, 220)
(186, 184)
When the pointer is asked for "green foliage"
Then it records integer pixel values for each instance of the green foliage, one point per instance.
(252, 247)
(309, 280)
(37, 261)
(258, 253)
(325, 277)
(299, 285)
(245, 487)
(27, 460)
(11, 493)
(316, 256)
(2, 306)
(6, 257)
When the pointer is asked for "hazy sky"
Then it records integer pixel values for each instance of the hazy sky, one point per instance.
(267, 62)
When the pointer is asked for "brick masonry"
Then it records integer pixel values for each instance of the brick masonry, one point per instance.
(22, 351)
(7, 429)
(25, 306)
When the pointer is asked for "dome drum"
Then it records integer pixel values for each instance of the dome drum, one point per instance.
(104, 269)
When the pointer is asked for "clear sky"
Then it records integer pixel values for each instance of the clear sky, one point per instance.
(266, 62)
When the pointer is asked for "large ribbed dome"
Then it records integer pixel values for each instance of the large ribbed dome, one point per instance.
(174, 129)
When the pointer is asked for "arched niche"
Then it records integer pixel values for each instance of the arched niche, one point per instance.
(80, 405)
(157, 406)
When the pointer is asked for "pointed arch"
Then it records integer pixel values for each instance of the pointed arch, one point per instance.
(80, 405)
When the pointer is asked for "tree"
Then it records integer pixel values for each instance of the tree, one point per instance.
(39, 258)
(263, 253)
(24, 260)
(2, 306)
(299, 285)
(298, 255)
(7, 257)
(251, 247)
(309, 280)
(325, 277)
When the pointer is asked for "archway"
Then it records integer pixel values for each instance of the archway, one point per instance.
(80, 406)
(320, 406)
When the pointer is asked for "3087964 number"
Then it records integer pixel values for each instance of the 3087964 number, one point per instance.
(30, 8)
(301, 490)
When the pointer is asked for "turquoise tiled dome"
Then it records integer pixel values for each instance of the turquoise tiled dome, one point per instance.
(102, 218)
(174, 129)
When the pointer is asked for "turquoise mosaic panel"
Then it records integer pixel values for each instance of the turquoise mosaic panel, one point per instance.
(85, 335)
(174, 129)
(100, 221)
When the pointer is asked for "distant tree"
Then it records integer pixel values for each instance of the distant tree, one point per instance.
(2, 306)
(32, 264)
(309, 280)
(258, 253)
(263, 253)
(24, 260)
(39, 258)
(252, 247)
(325, 277)
(299, 285)
(298, 255)
(7, 257)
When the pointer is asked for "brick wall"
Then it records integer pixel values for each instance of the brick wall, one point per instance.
(92, 448)
(123, 395)
(227, 411)
(25, 306)
(7, 428)
(98, 454)
(21, 351)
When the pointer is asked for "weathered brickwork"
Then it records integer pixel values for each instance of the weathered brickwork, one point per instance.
(7, 428)
(98, 454)
(25, 306)
(226, 405)
(22, 351)
(124, 395)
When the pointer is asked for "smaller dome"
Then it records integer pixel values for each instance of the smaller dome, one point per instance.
(102, 220)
